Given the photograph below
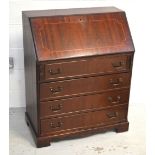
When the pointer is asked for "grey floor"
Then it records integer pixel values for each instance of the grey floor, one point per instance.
(108, 143)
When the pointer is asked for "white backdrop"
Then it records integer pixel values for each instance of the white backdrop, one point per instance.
(140, 18)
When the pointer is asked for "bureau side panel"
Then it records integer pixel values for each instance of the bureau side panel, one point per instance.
(30, 62)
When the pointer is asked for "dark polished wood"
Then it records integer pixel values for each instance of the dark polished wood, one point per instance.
(84, 120)
(42, 141)
(67, 69)
(83, 103)
(74, 87)
(78, 66)
(30, 61)
(85, 35)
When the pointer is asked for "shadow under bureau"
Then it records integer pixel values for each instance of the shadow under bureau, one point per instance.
(78, 65)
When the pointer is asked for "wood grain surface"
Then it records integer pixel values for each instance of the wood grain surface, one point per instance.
(78, 67)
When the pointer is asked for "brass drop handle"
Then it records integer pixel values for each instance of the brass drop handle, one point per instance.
(116, 82)
(118, 98)
(118, 65)
(56, 107)
(54, 72)
(112, 114)
(56, 90)
(56, 125)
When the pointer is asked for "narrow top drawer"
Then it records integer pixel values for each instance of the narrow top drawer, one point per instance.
(85, 67)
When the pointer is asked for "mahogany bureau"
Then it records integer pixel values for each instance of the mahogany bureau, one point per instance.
(78, 65)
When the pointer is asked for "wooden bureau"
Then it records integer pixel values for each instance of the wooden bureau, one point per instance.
(78, 65)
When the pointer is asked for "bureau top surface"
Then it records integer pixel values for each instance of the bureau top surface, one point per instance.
(71, 33)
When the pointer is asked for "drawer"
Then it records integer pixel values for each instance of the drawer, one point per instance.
(83, 103)
(74, 87)
(85, 67)
(84, 120)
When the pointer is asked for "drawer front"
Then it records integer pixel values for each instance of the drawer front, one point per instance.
(84, 67)
(54, 90)
(84, 120)
(83, 103)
